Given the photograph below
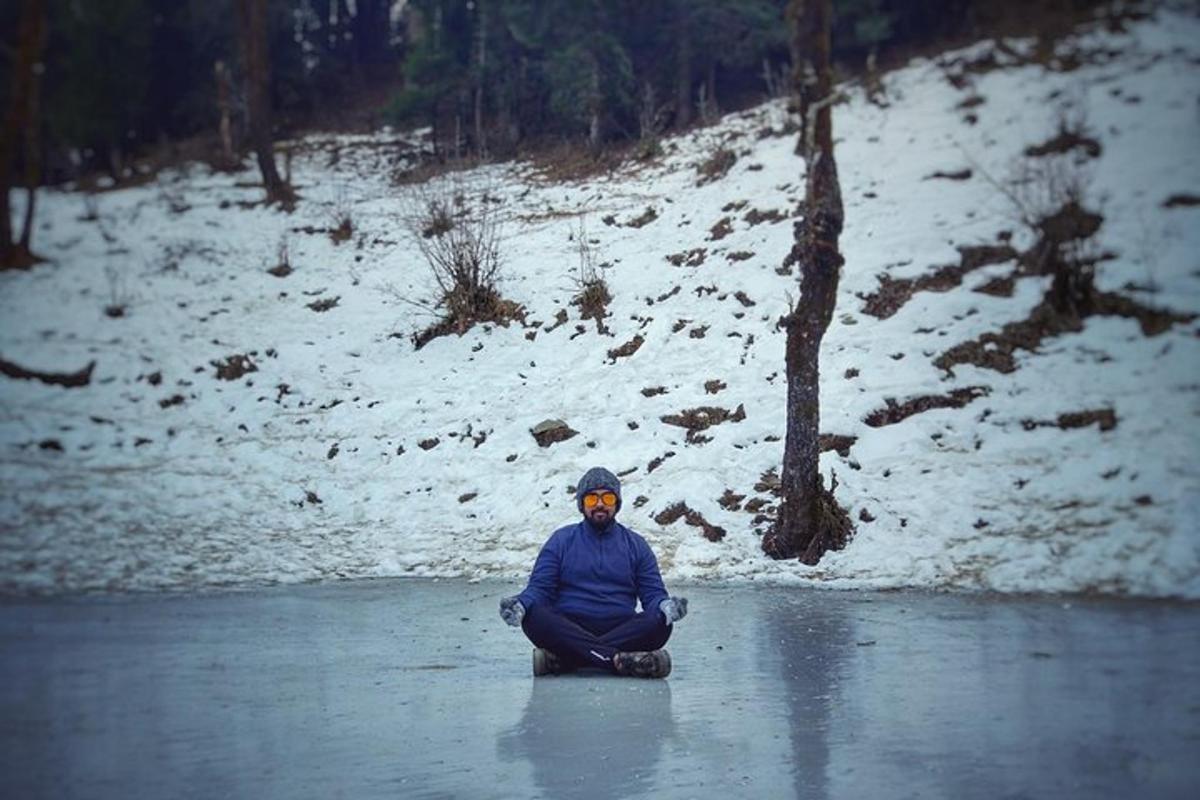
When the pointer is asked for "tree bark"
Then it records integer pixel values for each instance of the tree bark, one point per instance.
(19, 133)
(481, 23)
(252, 30)
(225, 114)
(683, 67)
(802, 42)
(810, 520)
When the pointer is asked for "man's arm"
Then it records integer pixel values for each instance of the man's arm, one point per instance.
(649, 580)
(543, 581)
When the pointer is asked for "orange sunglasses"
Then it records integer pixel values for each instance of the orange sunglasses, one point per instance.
(593, 500)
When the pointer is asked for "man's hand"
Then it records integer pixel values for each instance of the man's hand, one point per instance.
(674, 609)
(512, 610)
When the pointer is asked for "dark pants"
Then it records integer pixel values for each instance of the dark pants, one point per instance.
(583, 642)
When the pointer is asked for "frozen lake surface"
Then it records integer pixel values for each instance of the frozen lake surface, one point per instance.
(417, 689)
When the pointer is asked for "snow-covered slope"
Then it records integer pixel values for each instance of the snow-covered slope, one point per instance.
(159, 474)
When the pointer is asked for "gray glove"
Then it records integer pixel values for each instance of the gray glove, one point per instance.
(512, 611)
(674, 609)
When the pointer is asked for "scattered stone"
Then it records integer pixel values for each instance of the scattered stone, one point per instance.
(647, 216)
(468, 497)
(429, 444)
(655, 463)
(714, 386)
(234, 367)
(323, 305)
(552, 431)
(651, 391)
(865, 516)
(958, 175)
(739, 255)
(173, 400)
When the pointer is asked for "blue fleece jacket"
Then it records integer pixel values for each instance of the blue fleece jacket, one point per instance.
(595, 573)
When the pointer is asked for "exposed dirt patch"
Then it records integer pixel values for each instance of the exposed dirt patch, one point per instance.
(894, 412)
(1002, 286)
(832, 441)
(1065, 142)
(493, 308)
(627, 349)
(702, 418)
(995, 350)
(959, 175)
(1181, 201)
(1105, 418)
(714, 386)
(716, 166)
(744, 299)
(560, 319)
(689, 258)
(739, 255)
(675, 511)
(723, 228)
(70, 380)
(731, 501)
(893, 293)
(234, 367)
(755, 217)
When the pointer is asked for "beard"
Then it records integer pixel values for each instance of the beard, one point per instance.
(600, 515)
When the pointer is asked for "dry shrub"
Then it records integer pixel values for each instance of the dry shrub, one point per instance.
(591, 291)
(458, 232)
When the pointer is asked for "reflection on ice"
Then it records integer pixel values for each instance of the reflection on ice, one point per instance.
(592, 734)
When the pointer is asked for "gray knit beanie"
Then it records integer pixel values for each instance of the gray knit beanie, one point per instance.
(597, 478)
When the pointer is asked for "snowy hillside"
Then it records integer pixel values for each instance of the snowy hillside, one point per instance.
(345, 452)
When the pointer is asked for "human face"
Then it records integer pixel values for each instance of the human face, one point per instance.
(600, 506)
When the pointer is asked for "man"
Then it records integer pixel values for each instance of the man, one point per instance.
(579, 606)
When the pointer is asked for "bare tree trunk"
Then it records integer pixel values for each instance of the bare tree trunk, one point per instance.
(19, 131)
(225, 111)
(595, 103)
(810, 520)
(683, 67)
(252, 29)
(804, 72)
(480, 70)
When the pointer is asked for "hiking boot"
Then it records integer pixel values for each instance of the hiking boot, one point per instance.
(653, 664)
(546, 663)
